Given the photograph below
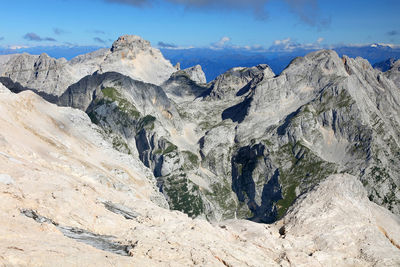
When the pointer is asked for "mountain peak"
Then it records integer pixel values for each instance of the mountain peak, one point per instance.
(132, 42)
(322, 61)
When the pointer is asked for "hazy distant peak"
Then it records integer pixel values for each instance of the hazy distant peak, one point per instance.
(385, 65)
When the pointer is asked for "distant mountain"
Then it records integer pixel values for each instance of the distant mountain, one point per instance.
(216, 61)
(67, 52)
(373, 53)
(385, 65)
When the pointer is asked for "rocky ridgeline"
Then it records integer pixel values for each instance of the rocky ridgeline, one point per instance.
(129, 55)
(245, 145)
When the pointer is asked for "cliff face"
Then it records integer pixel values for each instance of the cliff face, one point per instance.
(394, 73)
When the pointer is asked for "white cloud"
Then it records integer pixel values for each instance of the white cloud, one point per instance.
(223, 42)
(284, 45)
(282, 42)
(288, 45)
(15, 47)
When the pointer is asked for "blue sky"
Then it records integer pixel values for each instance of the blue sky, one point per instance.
(200, 23)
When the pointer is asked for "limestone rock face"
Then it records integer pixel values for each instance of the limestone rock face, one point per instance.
(135, 115)
(394, 73)
(232, 83)
(134, 57)
(322, 115)
(38, 72)
(129, 55)
(316, 216)
(181, 87)
(196, 74)
(147, 98)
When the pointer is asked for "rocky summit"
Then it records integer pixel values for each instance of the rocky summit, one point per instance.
(118, 158)
(129, 55)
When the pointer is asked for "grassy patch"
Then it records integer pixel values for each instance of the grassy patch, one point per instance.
(267, 143)
(120, 145)
(221, 193)
(170, 148)
(147, 122)
(302, 170)
(184, 195)
(379, 174)
(330, 100)
(191, 160)
(112, 95)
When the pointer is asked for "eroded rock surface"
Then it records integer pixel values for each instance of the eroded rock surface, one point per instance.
(196, 74)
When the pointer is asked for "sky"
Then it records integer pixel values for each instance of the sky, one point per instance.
(253, 24)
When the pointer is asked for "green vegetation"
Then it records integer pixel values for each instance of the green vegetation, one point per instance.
(111, 95)
(205, 125)
(379, 174)
(147, 122)
(184, 195)
(390, 198)
(184, 115)
(120, 145)
(344, 100)
(123, 112)
(221, 193)
(191, 160)
(302, 169)
(267, 142)
(171, 147)
(329, 100)
(158, 151)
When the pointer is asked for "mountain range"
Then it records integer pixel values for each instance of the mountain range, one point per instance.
(138, 161)
(215, 61)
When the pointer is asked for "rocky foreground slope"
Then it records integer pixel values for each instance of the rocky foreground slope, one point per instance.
(69, 198)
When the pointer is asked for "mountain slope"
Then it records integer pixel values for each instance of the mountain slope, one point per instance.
(323, 115)
(61, 182)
